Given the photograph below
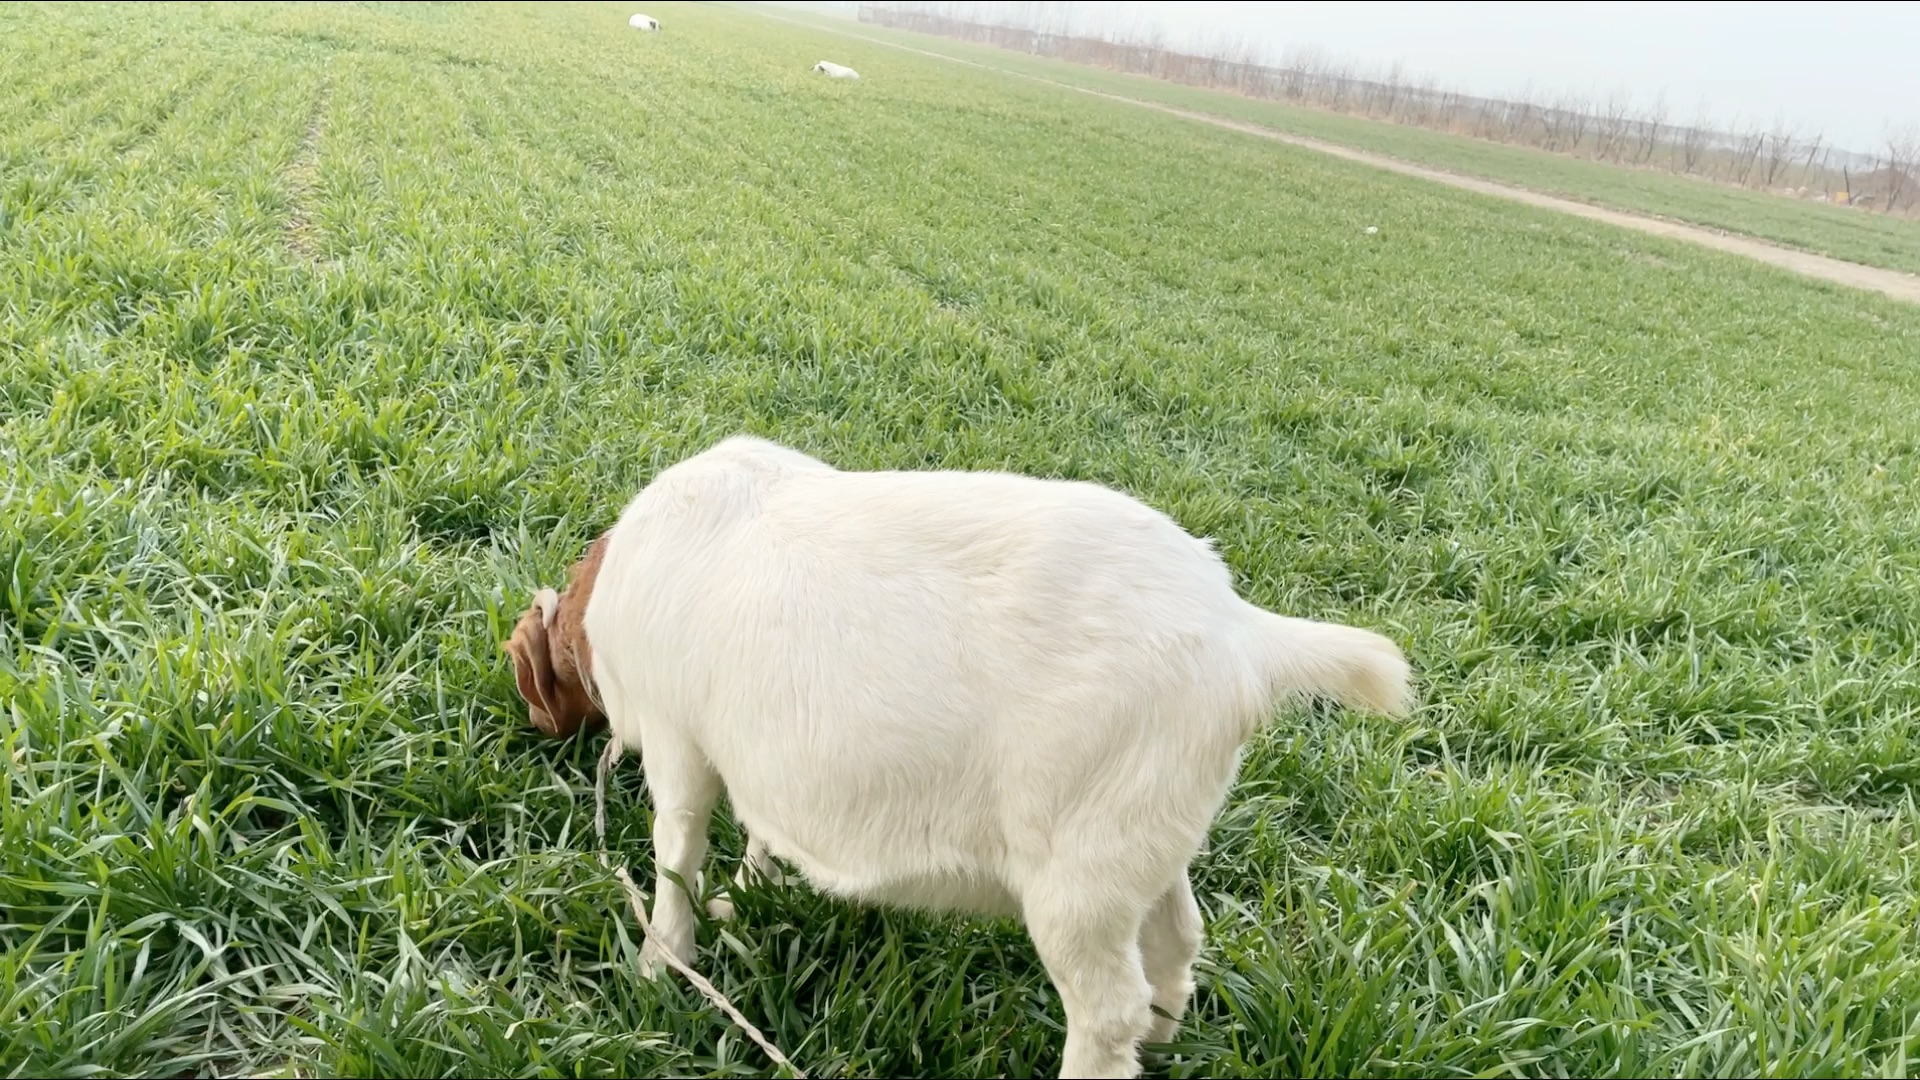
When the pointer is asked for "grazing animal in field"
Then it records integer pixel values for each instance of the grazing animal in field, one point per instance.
(961, 691)
(644, 22)
(835, 71)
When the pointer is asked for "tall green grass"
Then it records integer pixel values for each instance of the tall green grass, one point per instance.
(328, 333)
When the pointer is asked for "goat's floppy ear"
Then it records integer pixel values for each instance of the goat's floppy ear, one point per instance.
(533, 668)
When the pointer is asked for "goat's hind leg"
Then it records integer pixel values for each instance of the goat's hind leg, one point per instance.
(758, 864)
(1091, 949)
(1169, 942)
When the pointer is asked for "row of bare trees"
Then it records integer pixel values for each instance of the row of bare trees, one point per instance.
(1778, 157)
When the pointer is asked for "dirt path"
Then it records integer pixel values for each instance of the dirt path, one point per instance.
(1890, 282)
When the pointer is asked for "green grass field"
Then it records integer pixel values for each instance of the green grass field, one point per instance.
(1856, 236)
(327, 333)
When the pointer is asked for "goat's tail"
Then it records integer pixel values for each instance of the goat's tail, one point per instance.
(1355, 667)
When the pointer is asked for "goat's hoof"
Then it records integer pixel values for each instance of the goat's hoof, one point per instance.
(1161, 1029)
(653, 959)
(720, 909)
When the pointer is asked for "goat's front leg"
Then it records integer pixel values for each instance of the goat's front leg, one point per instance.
(684, 788)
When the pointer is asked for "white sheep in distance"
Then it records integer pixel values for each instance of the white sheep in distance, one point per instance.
(644, 22)
(952, 691)
(835, 71)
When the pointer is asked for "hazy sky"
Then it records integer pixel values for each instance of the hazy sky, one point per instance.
(1848, 71)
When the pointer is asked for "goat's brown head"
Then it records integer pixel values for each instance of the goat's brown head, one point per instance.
(552, 659)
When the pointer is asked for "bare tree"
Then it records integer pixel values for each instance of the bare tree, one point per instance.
(1387, 91)
(1813, 151)
(1693, 140)
(1153, 62)
(1780, 145)
(1483, 123)
(1563, 123)
(1340, 85)
(1651, 126)
(1427, 98)
(1521, 118)
(1300, 68)
(1610, 128)
(1903, 156)
(1747, 154)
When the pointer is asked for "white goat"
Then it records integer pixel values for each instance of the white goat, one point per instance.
(945, 690)
(835, 71)
(644, 22)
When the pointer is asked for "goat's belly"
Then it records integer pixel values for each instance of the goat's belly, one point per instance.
(969, 894)
(903, 877)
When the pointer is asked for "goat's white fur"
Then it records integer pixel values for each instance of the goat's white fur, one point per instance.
(836, 71)
(952, 691)
(643, 22)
